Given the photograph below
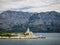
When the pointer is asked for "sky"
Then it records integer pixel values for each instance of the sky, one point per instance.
(30, 5)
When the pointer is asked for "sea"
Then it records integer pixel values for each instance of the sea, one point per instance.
(51, 39)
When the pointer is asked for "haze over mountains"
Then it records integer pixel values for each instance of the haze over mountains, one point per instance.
(18, 21)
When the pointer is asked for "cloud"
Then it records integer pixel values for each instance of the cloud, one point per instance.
(30, 5)
(21, 8)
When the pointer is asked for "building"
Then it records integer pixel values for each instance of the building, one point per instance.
(28, 32)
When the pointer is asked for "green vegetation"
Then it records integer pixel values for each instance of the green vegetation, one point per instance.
(6, 34)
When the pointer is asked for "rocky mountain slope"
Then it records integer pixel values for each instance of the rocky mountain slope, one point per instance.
(17, 21)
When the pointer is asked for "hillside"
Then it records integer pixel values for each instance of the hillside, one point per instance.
(17, 21)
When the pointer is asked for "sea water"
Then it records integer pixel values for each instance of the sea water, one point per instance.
(51, 39)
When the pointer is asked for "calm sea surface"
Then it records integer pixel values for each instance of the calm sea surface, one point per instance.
(51, 39)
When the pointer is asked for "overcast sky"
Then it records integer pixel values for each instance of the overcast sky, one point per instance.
(30, 5)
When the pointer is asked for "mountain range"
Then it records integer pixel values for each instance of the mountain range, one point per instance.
(18, 21)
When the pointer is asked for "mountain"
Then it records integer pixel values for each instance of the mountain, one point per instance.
(45, 22)
(18, 21)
